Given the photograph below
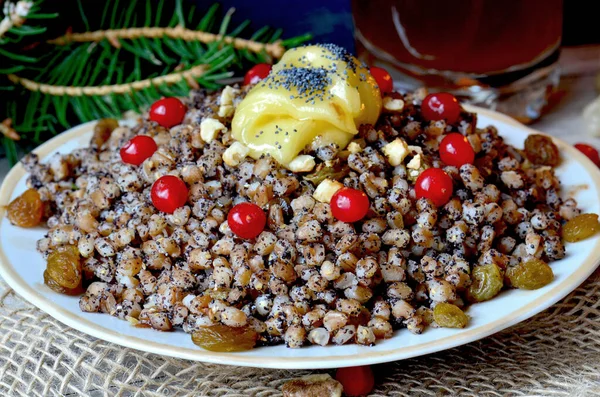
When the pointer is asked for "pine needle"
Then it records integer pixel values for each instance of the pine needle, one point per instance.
(142, 51)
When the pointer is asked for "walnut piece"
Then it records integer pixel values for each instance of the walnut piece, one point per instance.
(321, 385)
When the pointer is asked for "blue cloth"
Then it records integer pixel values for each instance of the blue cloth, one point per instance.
(328, 21)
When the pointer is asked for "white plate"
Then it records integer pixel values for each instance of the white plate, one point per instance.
(21, 266)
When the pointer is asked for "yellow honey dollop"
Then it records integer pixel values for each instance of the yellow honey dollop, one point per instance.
(317, 94)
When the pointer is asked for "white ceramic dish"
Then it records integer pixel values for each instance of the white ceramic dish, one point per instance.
(21, 266)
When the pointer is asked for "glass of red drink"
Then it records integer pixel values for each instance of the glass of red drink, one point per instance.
(499, 54)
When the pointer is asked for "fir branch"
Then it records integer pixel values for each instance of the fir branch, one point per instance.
(15, 15)
(275, 50)
(75, 91)
(13, 29)
(10, 148)
(7, 130)
(136, 53)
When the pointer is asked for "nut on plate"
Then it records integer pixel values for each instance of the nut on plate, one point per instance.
(235, 154)
(396, 151)
(226, 107)
(326, 189)
(209, 128)
(302, 163)
(354, 147)
(415, 163)
(321, 385)
(393, 105)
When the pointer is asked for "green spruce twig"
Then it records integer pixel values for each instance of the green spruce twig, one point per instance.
(129, 58)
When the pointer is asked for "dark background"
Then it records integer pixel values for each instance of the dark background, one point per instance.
(331, 20)
(328, 20)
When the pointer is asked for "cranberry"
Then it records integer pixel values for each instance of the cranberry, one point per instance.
(349, 205)
(357, 381)
(434, 184)
(590, 152)
(257, 73)
(138, 149)
(168, 112)
(441, 106)
(169, 193)
(383, 79)
(456, 150)
(246, 220)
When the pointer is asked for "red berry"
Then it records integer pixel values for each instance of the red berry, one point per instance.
(169, 193)
(357, 381)
(168, 112)
(590, 152)
(434, 184)
(257, 73)
(441, 106)
(383, 79)
(246, 220)
(138, 149)
(349, 205)
(456, 150)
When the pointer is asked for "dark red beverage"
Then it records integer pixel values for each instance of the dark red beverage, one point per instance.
(458, 44)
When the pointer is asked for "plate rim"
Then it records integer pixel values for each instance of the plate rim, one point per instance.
(71, 319)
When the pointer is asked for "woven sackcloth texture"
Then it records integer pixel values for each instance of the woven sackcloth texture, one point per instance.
(556, 353)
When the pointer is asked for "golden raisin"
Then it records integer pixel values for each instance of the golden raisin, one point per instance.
(487, 281)
(532, 274)
(580, 227)
(26, 210)
(102, 131)
(221, 338)
(541, 150)
(449, 316)
(63, 270)
(55, 286)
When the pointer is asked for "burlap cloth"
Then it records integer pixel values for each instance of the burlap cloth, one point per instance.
(556, 353)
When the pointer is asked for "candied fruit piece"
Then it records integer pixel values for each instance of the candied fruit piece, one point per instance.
(487, 283)
(449, 316)
(63, 270)
(532, 274)
(580, 228)
(541, 150)
(26, 210)
(221, 338)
